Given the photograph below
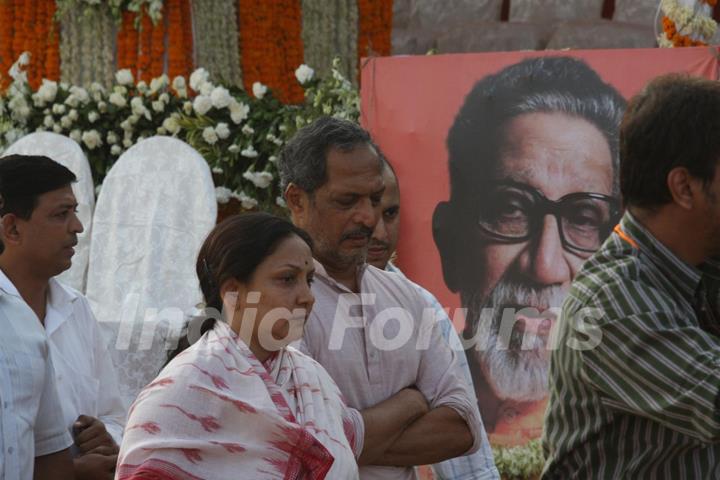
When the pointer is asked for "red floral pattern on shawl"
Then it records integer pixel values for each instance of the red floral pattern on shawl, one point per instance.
(217, 412)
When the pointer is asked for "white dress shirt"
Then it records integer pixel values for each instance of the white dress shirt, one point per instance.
(85, 376)
(344, 337)
(30, 414)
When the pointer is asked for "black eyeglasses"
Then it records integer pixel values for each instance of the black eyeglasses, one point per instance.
(514, 212)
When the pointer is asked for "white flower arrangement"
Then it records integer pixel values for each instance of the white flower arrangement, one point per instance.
(105, 122)
(259, 90)
(304, 74)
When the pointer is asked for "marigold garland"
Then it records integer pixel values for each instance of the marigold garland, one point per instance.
(375, 27)
(177, 46)
(187, 35)
(52, 45)
(7, 16)
(128, 44)
(145, 52)
(157, 49)
(271, 45)
(676, 38)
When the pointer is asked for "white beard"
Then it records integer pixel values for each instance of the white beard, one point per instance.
(516, 368)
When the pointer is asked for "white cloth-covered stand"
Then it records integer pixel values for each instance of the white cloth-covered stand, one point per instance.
(155, 208)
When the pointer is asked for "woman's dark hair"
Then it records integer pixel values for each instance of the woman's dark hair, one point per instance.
(234, 249)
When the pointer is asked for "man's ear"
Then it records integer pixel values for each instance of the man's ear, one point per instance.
(297, 201)
(684, 188)
(10, 233)
(444, 234)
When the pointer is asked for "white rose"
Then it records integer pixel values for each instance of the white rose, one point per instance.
(73, 115)
(238, 111)
(304, 74)
(222, 194)
(58, 109)
(158, 83)
(117, 99)
(76, 135)
(272, 159)
(112, 138)
(66, 122)
(57, 128)
(249, 152)
(92, 139)
(187, 108)
(280, 202)
(24, 58)
(48, 121)
(178, 83)
(120, 89)
(161, 131)
(222, 130)
(126, 125)
(164, 97)
(220, 97)
(142, 87)
(116, 150)
(158, 106)
(102, 107)
(233, 148)
(48, 90)
(127, 142)
(259, 90)
(95, 87)
(202, 104)
(80, 94)
(72, 101)
(137, 106)
(198, 78)
(259, 179)
(133, 119)
(124, 77)
(93, 116)
(217, 170)
(248, 130)
(171, 125)
(247, 202)
(209, 135)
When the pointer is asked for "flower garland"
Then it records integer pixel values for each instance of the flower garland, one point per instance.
(117, 8)
(270, 37)
(330, 28)
(217, 39)
(684, 26)
(7, 35)
(157, 49)
(178, 44)
(52, 45)
(375, 28)
(521, 462)
(145, 48)
(239, 134)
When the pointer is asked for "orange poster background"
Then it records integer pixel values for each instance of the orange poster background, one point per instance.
(409, 103)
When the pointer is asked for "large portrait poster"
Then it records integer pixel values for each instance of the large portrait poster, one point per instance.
(507, 164)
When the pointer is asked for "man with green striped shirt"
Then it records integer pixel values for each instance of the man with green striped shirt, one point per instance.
(635, 373)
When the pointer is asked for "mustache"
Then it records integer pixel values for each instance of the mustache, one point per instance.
(379, 243)
(358, 232)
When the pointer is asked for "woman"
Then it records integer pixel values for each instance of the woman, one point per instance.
(239, 403)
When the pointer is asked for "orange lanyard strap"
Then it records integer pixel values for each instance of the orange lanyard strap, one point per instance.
(624, 236)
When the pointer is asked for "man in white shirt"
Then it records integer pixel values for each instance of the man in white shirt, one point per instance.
(34, 442)
(332, 178)
(39, 231)
(383, 242)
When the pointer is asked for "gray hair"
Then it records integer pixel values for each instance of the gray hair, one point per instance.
(547, 84)
(303, 161)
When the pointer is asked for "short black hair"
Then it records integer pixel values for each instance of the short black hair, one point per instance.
(673, 122)
(303, 161)
(23, 178)
(546, 84)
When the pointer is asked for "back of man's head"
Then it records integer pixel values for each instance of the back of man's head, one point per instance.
(303, 161)
(544, 85)
(23, 178)
(674, 122)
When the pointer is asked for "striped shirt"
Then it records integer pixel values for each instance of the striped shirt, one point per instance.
(635, 377)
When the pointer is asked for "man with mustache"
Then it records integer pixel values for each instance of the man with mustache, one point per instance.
(331, 174)
(381, 250)
(532, 162)
(39, 231)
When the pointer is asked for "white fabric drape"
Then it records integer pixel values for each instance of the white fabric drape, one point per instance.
(155, 208)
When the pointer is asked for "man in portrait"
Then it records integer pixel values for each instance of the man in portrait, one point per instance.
(533, 193)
